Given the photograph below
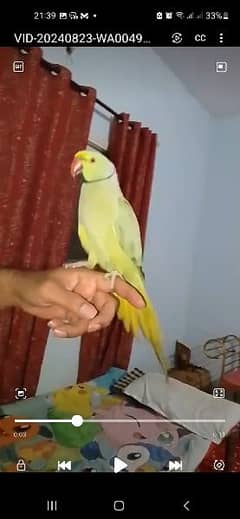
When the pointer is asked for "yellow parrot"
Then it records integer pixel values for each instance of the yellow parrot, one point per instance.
(110, 235)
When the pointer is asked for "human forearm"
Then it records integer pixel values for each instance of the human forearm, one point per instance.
(8, 283)
(75, 301)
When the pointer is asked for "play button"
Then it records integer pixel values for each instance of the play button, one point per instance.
(118, 465)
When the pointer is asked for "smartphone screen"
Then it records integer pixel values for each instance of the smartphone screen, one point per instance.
(119, 161)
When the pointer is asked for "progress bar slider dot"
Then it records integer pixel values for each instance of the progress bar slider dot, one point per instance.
(77, 420)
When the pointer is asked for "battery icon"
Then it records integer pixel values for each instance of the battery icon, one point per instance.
(225, 16)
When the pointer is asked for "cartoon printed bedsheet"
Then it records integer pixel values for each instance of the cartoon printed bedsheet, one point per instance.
(145, 446)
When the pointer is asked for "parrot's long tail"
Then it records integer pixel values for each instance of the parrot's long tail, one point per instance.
(146, 321)
(135, 319)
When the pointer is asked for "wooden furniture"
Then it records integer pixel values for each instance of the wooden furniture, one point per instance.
(226, 348)
(188, 373)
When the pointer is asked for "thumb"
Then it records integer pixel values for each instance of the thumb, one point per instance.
(73, 303)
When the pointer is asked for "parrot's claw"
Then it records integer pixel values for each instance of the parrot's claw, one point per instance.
(76, 264)
(112, 276)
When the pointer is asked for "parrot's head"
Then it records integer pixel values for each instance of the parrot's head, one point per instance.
(92, 165)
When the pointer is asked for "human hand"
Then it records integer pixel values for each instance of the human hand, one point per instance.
(75, 300)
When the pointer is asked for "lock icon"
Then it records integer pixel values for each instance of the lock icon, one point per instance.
(21, 465)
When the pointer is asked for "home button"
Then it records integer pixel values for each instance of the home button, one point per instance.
(118, 505)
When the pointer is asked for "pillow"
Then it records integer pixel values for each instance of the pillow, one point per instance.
(179, 401)
(109, 378)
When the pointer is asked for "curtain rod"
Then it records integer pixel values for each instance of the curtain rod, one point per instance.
(108, 108)
(96, 146)
(55, 69)
(97, 101)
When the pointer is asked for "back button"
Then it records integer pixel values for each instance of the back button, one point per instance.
(186, 505)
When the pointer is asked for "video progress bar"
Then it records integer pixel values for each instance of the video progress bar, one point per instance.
(78, 420)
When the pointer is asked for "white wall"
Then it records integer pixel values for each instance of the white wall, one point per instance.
(135, 80)
(215, 295)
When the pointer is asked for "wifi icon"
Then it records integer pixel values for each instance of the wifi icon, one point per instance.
(180, 14)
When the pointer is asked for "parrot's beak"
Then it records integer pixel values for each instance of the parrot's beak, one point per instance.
(76, 167)
(77, 163)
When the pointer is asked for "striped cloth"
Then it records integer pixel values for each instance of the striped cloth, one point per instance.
(126, 380)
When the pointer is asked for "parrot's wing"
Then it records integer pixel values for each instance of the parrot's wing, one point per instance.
(128, 231)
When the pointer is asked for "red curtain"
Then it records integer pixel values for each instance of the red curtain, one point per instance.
(132, 148)
(44, 119)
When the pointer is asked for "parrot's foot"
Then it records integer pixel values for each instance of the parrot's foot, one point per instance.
(112, 276)
(76, 264)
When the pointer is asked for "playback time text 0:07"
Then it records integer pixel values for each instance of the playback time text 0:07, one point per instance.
(78, 38)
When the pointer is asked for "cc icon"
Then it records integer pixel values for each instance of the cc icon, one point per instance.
(200, 37)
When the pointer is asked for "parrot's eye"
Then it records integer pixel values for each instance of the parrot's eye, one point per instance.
(93, 160)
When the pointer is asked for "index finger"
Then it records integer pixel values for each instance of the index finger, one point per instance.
(121, 288)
